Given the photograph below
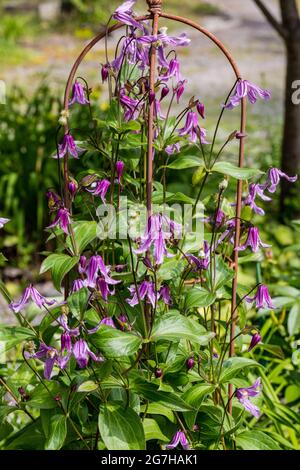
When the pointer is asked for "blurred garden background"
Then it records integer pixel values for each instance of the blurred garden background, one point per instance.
(39, 41)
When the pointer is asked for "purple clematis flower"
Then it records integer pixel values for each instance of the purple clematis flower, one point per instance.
(82, 354)
(159, 229)
(245, 88)
(274, 175)
(96, 268)
(62, 220)
(217, 218)
(253, 240)
(69, 146)
(165, 295)
(192, 129)
(30, 293)
(243, 395)
(254, 191)
(108, 321)
(124, 14)
(157, 110)
(54, 200)
(146, 291)
(104, 289)
(3, 221)
(262, 298)
(78, 95)
(130, 105)
(173, 70)
(256, 338)
(173, 148)
(63, 321)
(179, 438)
(50, 356)
(202, 261)
(99, 188)
(77, 285)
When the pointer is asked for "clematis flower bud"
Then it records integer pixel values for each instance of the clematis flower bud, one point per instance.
(256, 338)
(190, 363)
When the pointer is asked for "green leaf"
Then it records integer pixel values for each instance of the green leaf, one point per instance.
(256, 440)
(84, 233)
(194, 395)
(198, 297)
(60, 265)
(294, 319)
(78, 302)
(88, 386)
(227, 168)
(185, 161)
(231, 367)
(115, 343)
(43, 399)
(57, 434)
(172, 326)
(10, 336)
(151, 392)
(153, 431)
(157, 409)
(121, 428)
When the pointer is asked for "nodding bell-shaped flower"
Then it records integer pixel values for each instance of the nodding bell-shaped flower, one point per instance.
(94, 270)
(108, 321)
(274, 176)
(99, 188)
(253, 240)
(172, 148)
(120, 170)
(3, 221)
(30, 293)
(78, 95)
(201, 261)
(245, 88)
(62, 220)
(192, 129)
(82, 354)
(146, 291)
(179, 438)
(256, 338)
(262, 298)
(124, 14)
(68, 146)
(243, 395)
(159, 229)
(165, 295)
(254, 191)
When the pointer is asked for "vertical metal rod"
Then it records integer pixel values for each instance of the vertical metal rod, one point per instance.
(149, 170)
(237, 243)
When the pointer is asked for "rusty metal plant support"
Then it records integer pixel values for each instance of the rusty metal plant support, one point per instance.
(155, 13)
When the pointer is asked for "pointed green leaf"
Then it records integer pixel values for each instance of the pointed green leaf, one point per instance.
(121, 428)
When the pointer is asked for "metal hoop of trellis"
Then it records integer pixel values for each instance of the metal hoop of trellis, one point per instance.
(155, 13)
